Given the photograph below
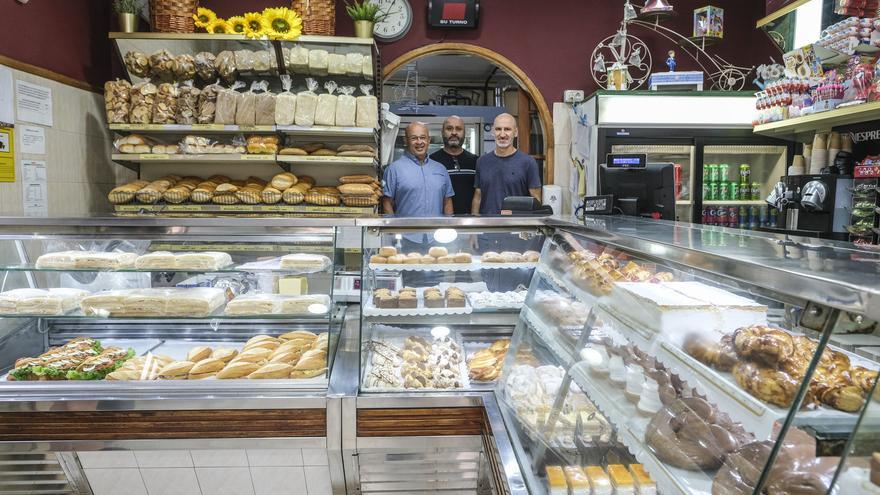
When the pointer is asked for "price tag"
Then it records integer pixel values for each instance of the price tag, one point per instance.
(208, 127)
(153, 156)
(256, 128)
(229, 208)
(121, 127)
(265, 158)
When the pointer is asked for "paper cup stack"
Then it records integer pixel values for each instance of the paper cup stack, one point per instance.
(798, 165)
(820, 153)
(834, 146)
(808, 155)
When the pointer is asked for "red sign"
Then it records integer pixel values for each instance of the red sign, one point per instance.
(454, 11)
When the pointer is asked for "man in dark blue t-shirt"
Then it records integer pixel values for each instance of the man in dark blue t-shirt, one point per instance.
(504, 172)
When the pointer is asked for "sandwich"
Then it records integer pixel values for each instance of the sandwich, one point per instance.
(237, 369)
(206, 368)
(272, 371)
(178, 370)
(97, 367)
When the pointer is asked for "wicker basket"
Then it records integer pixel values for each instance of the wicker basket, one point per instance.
(319, 16)
(173, 16)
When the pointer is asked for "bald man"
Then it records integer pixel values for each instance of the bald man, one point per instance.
(459, 162)
(415, 185)
(504, 172)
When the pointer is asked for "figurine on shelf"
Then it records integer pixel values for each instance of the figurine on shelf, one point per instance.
(670, 62)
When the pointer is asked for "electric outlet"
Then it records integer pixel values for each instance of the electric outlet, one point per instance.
(573, 96)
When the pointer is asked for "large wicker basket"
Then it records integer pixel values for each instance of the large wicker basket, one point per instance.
(319, 16)
(173, 16)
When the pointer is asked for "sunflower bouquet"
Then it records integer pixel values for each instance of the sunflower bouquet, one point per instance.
(274, 23)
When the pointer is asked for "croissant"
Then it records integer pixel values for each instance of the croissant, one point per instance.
(763, 344)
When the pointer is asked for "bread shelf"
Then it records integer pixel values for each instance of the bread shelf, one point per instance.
(802, 128)
(192, 129)
(337, 160)
(631, 426)
(184, 158)
(300, 209)
(324, 40)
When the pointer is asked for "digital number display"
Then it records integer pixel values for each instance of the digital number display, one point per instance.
(633, 160)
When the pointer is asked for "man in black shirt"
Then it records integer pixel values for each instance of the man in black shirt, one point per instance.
(460, 163)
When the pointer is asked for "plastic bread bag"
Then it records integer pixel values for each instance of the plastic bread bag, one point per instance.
(306, 104)
(204, 62)
(224, 63)
(184, 67)
(226, 102)
(137, 63)
(265, 105)
(195, 145)
(346, 107)
(162, 65)
(187, 103)
(244, 60)
(336, 64)
(143, 97)
(325, 111)
(246, 106)
(265, 62)
(367, 108)
(318, 62)
(367, 68)
(354, 64)
(298, 60)
(117, 101)
(208, 103)
(285, 103)
(165, 109)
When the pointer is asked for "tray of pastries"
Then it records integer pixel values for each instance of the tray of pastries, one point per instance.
(405, 360)
(417, 302)
(86, 260)
(485, 360)
(439, 258)
(278, 304)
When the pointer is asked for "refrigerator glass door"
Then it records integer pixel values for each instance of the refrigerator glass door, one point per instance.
(682, 156)
(741, 175)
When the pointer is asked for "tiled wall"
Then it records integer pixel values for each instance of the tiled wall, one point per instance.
(208, 472)
(78, 167)
(562, 164)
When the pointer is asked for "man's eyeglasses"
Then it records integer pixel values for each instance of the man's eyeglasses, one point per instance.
(415, 139)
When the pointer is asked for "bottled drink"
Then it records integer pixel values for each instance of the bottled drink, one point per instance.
(724, 190)
(721, 216)
(710, 216)
(756, 190)
(734, 191)
(705, 190)
(764, 219)
(745, 173)
(732, 217)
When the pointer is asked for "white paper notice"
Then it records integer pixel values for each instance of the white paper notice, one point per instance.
(32, 139)
(33, 103)
(35, 194)
(7, 110)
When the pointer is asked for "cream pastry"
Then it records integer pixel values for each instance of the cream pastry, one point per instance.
(650, 403)
(617, 370)
(635, 377)
(578, 484)
(556, 480)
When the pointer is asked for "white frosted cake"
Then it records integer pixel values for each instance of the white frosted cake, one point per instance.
(678, 309)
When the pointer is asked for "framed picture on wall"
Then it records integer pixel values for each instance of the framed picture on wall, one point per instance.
(453, 13)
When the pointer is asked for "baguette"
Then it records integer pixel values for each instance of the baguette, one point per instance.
(367, 154)
(356, 147)
(322, 199)
(357, 179)
(126, 192)
(356, 189)
(360, 200)
(293, 196)
(293, 151)
(323, 152)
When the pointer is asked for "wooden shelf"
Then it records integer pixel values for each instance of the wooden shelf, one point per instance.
(328, 40)
(338, 160)
(802, 128)
(192, 129)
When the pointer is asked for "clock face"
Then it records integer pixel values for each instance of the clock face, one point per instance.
(397, 23)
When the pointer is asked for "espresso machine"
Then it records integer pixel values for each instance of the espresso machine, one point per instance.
(813, 205)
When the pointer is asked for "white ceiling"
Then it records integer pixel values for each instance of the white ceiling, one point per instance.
(452, 68)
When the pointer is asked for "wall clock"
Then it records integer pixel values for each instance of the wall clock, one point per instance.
(397, 23)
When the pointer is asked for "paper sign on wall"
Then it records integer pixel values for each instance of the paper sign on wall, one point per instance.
(7, 110)
(34, 191)
(33, 103)
(32, 139)
(7, 154)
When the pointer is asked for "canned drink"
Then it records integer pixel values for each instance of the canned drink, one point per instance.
(705, 220)
(724, 190)
(754, 217)
(676, 170)
(743, 217)
(723, 172)
(734, 191)
(756, 190)
(713, 174)
(705, 191)
(713, 192)
(710, 216)
(771, 221)
(733, 216)
(764, 218)
(745, 173)
(721, 216)
(706, 177)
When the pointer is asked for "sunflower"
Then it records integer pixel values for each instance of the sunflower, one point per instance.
(237, 24)
(283, 23)
(218, 26)
(203, 17)
(257, 27)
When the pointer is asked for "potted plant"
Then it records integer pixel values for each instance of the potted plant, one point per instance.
(365, 15)
(127, 10)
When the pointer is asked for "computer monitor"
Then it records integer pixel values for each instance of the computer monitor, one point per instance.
(639, 188)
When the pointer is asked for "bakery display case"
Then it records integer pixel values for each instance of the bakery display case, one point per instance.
(648, 361)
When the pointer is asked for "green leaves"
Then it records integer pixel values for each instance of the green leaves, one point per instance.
(364, 10)
(125, 6)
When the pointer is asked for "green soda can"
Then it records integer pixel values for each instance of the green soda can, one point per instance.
(723, 172)
(724, 191)
(756, 190)
(734, 191)
(713, 174)
(745, 173)
(713, 191)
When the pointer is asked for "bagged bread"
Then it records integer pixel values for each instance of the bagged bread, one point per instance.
(357, 179)
(208, 103)
(265, 105)
(367, 108)
(368, 67)
(346, 107)
(285, 103)
(263, 61)
(162, 65)
(356, 189)
(225, 65)
(262, 145)
(325, 111)
(143, 97)
(227, 99)
(137, 63)
(246, 106)
(184, 67)
(270, 195)
(204, 62)
(244, 60)
(153, 192)
(306, 104)
(117, 101)
(187, 103)
(336, 64)
(250, 195)
(298, 61)
(354, 64)
(318, 62)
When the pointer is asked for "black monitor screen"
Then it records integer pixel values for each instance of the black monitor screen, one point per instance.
(626, 160)
(648, 191)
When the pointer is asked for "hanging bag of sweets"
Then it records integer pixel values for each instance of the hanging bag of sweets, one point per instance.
(227, 99)
(246, 106)
(325, 112)
(187, 103)
(143, 97)
(367, 108)
(306, 104)
(117, 101)
(208, 103)
(225, 65)
(285, 104)
(265, 105)
(204, 62)
(184, 67)
(162, 65)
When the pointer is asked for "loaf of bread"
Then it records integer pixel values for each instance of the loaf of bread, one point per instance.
(357, 179)
(270, 195)
(126, 192)
(322, 199)
(153, 192)
(283, 181)
(356, 189)
(249, 195)
(293, 196)
(293, 151)
(361, 201)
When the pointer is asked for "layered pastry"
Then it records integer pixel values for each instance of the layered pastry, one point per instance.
(643, 482)
(485, 365)
(41, 302)
(208, 260)
(621, 480)
(617, 370)
(556, 480)
(314, 304)
(157, 260)
(103, 261)
(649, 401)
(59, 260)
(304, 262)
(196, 302)
(600, 483)
(635, 378)
(253, 304)
(578, 484)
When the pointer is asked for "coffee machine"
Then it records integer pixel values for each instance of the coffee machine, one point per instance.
(813, 205)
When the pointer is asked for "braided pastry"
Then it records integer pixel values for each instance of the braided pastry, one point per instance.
(763, 344)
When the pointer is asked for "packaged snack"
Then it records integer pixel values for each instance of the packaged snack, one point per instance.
(244, 60)
(298, 61)
(117, 101)
(137, 63)
(336, 64)
(208, 103)
(162, 65)
(246, 106)
(306, 104)
(187, 103)
(204, 62)
(225, 65)
(227, 100)
(184, 67)
(367, 108)
(325, 111)
(318, 62)
(265, 105)
(285, 104)
(354, 64)
(264, 62)
(143, 97)
(368, 67)
(346, 107)
(165, 109)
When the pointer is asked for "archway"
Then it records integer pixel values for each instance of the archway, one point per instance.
(544, 115)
